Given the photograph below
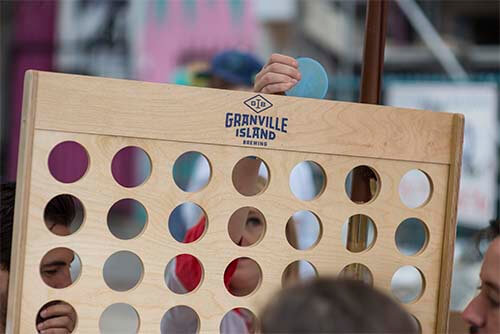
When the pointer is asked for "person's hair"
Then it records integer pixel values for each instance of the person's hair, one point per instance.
(492, 231)
(60, 210)
(7, 197)
(334, 306)
(487, 235)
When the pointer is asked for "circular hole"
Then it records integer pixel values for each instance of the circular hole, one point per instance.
(60, 267)
(122, 271)
(298, 271)
(358, 233)
(242, 276)
(52, 311)
(246, 226)
(183, 274)
(307, 180)
(63, 214)
(362, 184)
(250, 176)
(358, 272)
(415, 188)
(127, 218)
(411, 236)
(180, 319)
(131, 166)
(237, 316)
(407, 284)
(119, 318)
(68, 161)
(303, 230)
(187, 222)
(191, 171)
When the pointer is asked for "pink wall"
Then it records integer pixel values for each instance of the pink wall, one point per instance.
(180, 27)
(33, 48)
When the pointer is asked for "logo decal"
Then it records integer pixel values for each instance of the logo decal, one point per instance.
(256, 130)
(258, 103)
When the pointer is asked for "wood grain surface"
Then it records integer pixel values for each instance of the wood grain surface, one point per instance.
(105, 115)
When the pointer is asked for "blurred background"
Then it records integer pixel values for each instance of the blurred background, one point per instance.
(440, 56)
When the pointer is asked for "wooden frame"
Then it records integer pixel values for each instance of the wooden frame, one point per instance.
(105, 115)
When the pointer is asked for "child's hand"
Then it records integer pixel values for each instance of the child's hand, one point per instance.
(59, 318)
(278, 75)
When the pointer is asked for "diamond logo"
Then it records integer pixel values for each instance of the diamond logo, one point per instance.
(258, 103)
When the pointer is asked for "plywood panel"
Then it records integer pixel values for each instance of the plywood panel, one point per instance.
(105, 115)
(160, 111)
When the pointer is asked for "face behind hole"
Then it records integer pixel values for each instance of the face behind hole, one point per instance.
(55, 268)
(246, 226)
(245, 278)
(483, 311)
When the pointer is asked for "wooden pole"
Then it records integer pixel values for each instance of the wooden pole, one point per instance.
(363, 179)
(373, 53)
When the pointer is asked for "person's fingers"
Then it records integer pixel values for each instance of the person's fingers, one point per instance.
(277, 88)
(64, 322)
(279, 58)
(287, 70)
(272, 78)
(59, 309)
(55, 331)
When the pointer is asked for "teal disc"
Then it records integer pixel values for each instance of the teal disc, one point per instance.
(314, 81)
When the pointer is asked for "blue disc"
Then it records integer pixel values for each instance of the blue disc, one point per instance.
(313, 82)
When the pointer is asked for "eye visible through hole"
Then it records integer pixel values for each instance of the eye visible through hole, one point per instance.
(246, 226)
(60, 267)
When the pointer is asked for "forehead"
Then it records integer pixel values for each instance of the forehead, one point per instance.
(490, 270)
(58, 255)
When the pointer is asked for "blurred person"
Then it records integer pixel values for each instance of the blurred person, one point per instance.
(483, 312)
(232, 69)
(334, 306)
(57, 317)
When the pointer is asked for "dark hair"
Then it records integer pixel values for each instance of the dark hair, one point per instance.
(60, 210)
(7, 198)
(335, 306)
(492, 231)
(487, 235)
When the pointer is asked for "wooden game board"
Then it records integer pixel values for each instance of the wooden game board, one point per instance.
(105, 115)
